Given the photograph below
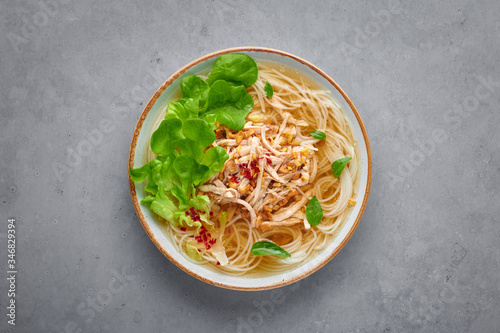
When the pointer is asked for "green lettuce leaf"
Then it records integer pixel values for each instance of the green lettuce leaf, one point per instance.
(163, 206)
(200, 202)
(192, 252)
(148, 200)
(200, 173)
(183, 166)
(139, 174)
(181, 141)
(181, 219)
(215, 158)
(231, 104)
(198, 136)
(234, 67)
(181, 196)
(195, 107)
(177, 110)
(212, 121)
(194, 87)
(164, 138)
(162, 172)
(151, 187)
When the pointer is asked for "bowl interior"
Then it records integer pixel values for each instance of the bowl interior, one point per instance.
(138, 156)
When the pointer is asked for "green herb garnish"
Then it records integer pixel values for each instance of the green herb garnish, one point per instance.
(268, 88)
(319, 135)
(267, 248)
(314, 212)
(338, 166)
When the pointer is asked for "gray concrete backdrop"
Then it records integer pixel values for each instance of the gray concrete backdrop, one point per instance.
(75, 76)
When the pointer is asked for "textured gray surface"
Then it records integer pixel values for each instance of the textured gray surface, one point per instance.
(425, 256)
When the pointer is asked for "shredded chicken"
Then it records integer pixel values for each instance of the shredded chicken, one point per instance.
(286, 213)
(268, 173)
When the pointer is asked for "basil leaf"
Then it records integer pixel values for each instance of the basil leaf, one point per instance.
(234, 67)
(139, 174)
(265, 247)
(338, 166)
(268, 88)
(319, 135)
(314, 212)
(231, 104)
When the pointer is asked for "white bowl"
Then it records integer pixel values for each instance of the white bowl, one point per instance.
(138, 152)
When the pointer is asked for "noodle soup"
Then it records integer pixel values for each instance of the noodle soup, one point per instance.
(246, 177)
(287, 168)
